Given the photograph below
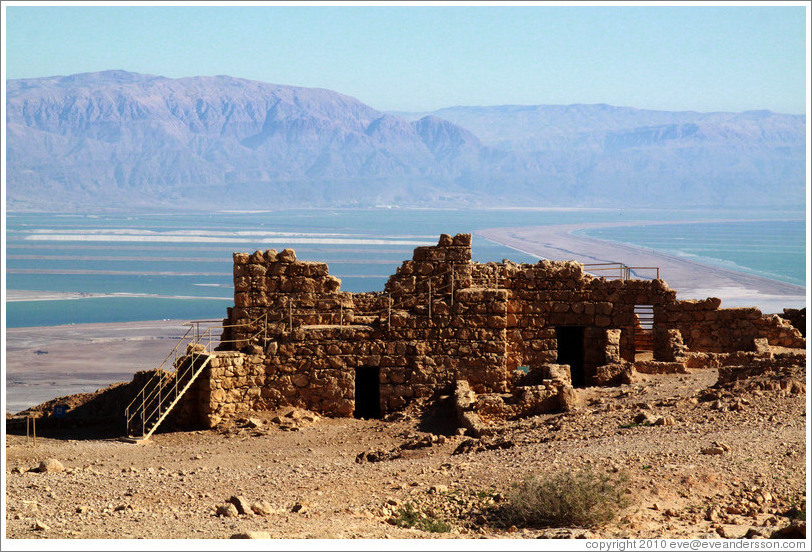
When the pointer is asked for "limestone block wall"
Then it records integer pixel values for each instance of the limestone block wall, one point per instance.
(273, 284)
(437, 271)
(550, 294)
(707, 328)
(796, 317)
(442, 318)
(234, 383)
(780, 331)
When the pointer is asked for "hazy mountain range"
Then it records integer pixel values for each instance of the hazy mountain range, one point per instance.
(119, 139)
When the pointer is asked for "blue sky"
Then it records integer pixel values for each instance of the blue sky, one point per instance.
(417, 58)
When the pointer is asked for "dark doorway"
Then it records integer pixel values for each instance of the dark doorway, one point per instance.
(367, 392)
(571, 351)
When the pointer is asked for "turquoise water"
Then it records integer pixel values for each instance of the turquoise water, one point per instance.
(771, 249)
(112, 309)
(185, 259)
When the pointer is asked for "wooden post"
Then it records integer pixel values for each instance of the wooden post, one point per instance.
(452, 285)
(429, 299)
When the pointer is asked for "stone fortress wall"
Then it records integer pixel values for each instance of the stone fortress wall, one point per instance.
(293, 338)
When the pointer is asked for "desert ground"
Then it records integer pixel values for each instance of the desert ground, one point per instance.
(726, 461)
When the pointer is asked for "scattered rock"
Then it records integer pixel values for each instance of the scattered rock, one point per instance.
(254, 423)
(645, 418)
(728, 531)
(569, 399)
(378, 456)
(713, 450)
(40, 526)
(262, 508)
(299, 508)
(665, 421)
(251, 535)
(50, 465)
(242, 504)
(480, 445)
(796, 530)
(227, 510)
(756, 533)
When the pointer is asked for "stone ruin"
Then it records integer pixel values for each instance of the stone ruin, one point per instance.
(502, 339)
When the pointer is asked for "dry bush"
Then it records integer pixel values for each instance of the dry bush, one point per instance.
(567, 499)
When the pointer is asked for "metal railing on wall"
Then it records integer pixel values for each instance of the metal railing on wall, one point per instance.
(420, 300)
(621, 271)
(162, 391)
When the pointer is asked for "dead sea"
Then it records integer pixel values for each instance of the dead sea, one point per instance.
(691, 280)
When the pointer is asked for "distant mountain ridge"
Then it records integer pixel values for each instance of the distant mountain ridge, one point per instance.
(544, 127)
(117, 138)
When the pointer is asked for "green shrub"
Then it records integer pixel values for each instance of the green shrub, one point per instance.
(433, 525)
(571, 498)
(407, 516)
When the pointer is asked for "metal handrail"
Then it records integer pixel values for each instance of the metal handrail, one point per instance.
(178, 376)
(624, 271)
(174, 350)
(156, 384)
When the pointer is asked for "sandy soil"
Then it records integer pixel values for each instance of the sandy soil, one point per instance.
(691, 280)
(306, 471)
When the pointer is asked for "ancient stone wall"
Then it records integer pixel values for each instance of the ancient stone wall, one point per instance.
(707, 328)
(442, 318)
(796, 317)
(276, 286)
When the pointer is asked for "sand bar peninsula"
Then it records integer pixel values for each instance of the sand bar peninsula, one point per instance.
(691, 279)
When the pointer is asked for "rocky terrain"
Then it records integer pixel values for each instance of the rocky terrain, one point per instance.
(705, 456)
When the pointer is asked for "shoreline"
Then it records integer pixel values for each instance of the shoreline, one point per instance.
(691, 279)
(46, 362)
(14, 295)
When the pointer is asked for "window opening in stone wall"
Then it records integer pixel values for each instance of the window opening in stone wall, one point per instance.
(367, 392)
(571, 351)
(643, 329)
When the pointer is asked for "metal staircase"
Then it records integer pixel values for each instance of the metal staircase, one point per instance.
(164, 389)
